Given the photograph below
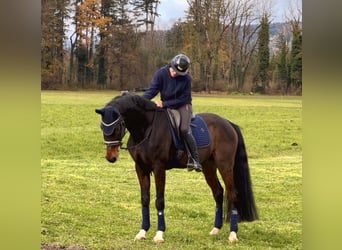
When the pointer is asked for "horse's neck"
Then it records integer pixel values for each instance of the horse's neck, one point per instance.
(152, 126)
(139, 125)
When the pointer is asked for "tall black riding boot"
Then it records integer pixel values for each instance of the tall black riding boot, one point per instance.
(193, 161)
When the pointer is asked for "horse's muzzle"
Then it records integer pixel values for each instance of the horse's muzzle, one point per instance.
(111, 160)
(112, 154)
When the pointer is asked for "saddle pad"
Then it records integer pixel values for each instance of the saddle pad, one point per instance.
(199, 131)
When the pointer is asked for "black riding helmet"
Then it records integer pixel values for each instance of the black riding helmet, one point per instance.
(180, 64)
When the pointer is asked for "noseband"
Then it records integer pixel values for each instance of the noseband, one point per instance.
(117, 124)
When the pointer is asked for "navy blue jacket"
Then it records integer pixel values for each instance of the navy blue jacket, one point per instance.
(174, 92)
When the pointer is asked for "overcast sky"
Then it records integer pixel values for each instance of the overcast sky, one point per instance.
(171, 10)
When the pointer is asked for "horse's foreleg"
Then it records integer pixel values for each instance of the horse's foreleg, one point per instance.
(145, 223)
(159, 176)
(218, 219)
(144, 181)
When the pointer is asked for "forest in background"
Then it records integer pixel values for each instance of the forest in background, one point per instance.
(113, 44)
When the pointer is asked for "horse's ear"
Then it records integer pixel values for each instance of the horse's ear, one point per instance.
(99, 111)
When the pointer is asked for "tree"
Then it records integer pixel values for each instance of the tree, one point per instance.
(296, 56)
(89, 21)
(227, 26)
(73, 39)
(208, 23)
(106, 12)
(145, 13)
(54, 14)
(283, 65)
(175, 39)
(263, 54)
(115, 45)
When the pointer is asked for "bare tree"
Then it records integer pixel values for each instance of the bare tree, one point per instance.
(209, 22)
(294, 12)
(224, 24)
(243, 40)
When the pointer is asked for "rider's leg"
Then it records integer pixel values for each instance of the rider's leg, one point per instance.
(186, 115)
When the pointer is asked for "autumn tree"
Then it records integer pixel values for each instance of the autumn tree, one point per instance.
(89, 21)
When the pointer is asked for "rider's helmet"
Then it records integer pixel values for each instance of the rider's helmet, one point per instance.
(180, 63)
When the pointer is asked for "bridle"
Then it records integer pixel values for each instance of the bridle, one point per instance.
(118, 123)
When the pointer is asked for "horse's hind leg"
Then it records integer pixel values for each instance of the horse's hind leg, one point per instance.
(226, 171)
(217, 191)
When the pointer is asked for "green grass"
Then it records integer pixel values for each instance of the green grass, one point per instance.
(90, 203)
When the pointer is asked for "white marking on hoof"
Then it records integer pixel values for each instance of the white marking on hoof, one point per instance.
(233, 237)
(141, 235)
(159, 238)
(215, 231)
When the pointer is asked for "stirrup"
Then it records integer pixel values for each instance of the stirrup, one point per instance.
(194, 165)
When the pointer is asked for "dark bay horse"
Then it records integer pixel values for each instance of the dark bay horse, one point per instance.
(151, 146)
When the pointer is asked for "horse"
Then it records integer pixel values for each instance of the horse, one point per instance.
(153, 150)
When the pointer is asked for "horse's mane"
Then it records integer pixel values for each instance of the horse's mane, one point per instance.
(128, 101)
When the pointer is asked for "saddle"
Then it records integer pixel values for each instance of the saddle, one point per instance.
(198, 127)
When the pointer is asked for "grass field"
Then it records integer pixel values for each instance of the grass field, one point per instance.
(88, 203)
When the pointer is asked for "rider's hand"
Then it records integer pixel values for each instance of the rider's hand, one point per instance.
(159, 104)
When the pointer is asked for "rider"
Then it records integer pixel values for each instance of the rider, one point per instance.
(173, 83)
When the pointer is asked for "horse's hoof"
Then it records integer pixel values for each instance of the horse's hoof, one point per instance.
(233, 237)
(141, 235)
(158, 241)
(215, 231)
(159, 238)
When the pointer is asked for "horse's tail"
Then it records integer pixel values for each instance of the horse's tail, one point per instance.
(245, 202)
